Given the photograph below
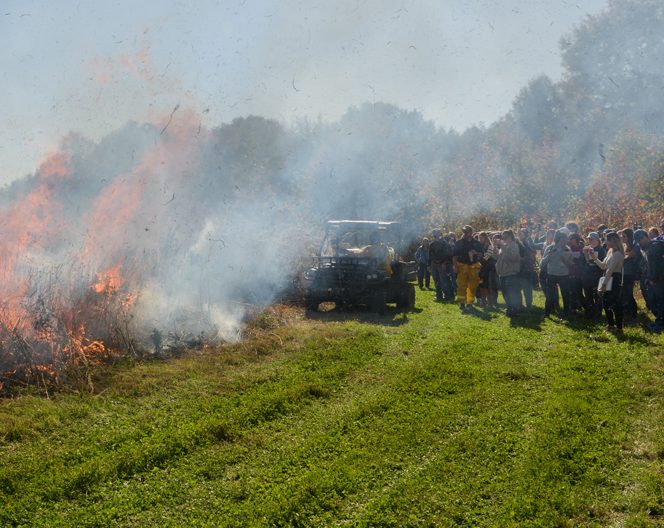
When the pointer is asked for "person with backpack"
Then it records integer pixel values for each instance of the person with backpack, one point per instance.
(611, 287)
(440, 255)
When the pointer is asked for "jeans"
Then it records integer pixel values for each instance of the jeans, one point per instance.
(592, 303)
(423, 275)
(511, 286)
(646, 291)
(656, 290)
(629, 303)
(553, 282)
(526, 286)
(613, 303)
(576, 293)
(442, 281)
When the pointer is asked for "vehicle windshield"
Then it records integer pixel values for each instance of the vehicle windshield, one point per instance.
(351, 242)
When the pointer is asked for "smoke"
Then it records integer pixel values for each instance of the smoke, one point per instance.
(193, 224)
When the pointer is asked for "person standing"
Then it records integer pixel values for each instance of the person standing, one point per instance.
(466, 264)
(611, 288)
(654, 250)
(591, 274)
(422, 259)
(449, 268)
(576, 245)
(488, 284)
(527, 274)
(440, 255)
(508, 267)
(631, 269)
(557, 260)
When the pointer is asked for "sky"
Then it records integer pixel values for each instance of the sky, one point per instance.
(89, 67)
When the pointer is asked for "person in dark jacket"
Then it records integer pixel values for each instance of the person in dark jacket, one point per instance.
(654, 250)
(527, 274)
(468, 253)
(423, 269)
(641, 241)
(440, 256)
(556, 260)
(451, 240)
(488, 277)
(631, 268)
(576, 271)
(590, 275)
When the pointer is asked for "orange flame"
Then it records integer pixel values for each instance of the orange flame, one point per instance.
(109, 281)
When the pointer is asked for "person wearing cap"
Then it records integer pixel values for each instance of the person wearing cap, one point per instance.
(440, 255)
(654, 250)
(468, 253)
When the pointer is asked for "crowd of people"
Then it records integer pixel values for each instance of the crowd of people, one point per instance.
(592, 275)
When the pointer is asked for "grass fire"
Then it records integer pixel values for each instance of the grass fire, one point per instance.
(332, 264)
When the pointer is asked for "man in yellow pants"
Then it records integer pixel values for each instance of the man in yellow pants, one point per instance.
(466, 260)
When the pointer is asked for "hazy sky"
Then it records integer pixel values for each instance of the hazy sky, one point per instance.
(91, 66)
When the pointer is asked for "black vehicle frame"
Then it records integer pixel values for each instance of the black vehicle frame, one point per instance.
(359, 263)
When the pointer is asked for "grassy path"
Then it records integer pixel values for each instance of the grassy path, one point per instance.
(434, 419)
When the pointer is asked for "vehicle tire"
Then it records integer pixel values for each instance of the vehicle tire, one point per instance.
(411, 298)
(378, 302)
(406, 298)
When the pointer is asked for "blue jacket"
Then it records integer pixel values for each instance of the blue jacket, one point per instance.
(422, 255)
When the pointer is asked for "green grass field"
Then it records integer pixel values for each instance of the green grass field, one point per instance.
(427, 419)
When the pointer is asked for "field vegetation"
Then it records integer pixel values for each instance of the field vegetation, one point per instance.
(432, 418)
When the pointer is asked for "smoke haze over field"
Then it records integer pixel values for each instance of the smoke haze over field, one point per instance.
(165, 204)
(91, 67)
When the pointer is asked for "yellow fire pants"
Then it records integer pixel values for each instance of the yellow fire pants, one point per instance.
(468, 279)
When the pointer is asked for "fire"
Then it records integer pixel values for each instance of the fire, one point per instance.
(80, 248)
(109, 281)
(55, 164)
